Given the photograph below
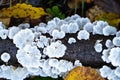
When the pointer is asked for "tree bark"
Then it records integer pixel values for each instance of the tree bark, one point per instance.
(82, 50)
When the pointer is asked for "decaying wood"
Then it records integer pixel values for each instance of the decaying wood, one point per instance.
(82, 50)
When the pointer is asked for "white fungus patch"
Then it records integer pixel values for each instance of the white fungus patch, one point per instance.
(3, 33)
(114, 56)
(88, 27)
(29, 56)
(83, 34)
(55, 49)
(71, 40)
(105, 71)
(109, 30)
(42, 42)
(105, 55)
(12, 31)
(118, 34)
(98, 27)
(109, 43)
(98, 46)
(117, 71)
(5, 57)
(56, 34)
(72, 27)
(23, 37)
(77, 63)
(116, 41)
(24, 25)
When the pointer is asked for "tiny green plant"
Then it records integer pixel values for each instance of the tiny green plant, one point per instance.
(55, 12)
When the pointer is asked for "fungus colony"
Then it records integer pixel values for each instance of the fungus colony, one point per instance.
(36, 62)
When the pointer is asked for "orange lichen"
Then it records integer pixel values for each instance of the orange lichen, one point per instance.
(83, 73)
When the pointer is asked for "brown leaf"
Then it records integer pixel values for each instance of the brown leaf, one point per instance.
(6, 21)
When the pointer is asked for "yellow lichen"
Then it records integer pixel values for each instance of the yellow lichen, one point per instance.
(22, 11)
(95, 13)
(112, 18)
(83, 73)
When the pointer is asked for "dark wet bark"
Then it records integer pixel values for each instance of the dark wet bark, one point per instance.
(82, 50)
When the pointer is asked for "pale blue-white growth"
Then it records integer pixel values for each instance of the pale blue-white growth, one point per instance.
(1, 26)
(98, 27)
(118, 34)
(98, 46)
(114, 56)
(24, 25)
(19, 73)
(117, 71)
(3, 33)
(105, 71)
(109, 30)
(32, 69)
(116, 41)
(109, 43)
(81, 22)
(51, 25)
(105, 55)
(41, 29)
(23, 37)
(64, 66)
(77, 63)
(53, 62)
(29, 56)
(56, 34)
(42, 24)
(5, 57)
(88, 27)
(42, 41)
(55, 49)
(72, 27)
(71, 40)
(75, 16)
(112, 75)
(64, 28)
(83, 34)
(12, 31)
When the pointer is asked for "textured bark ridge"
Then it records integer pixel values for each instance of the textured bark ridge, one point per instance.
(82, 50)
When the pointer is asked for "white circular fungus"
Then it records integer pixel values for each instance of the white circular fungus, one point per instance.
(23, 37)
(109, 43)
(56, 34)
(114, 56)
(12, 31)
(117, 71)
(98, 47)
(71, 40)
(116, 41)
(72, 27)
(3, 33)
(55, 49)
(83, 34)
(29, 56)
(5, 57)
(88, 27)
(105, 71)
(109, 30)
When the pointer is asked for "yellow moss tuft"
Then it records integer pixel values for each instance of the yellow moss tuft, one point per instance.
(23, 11)
(83, 73)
